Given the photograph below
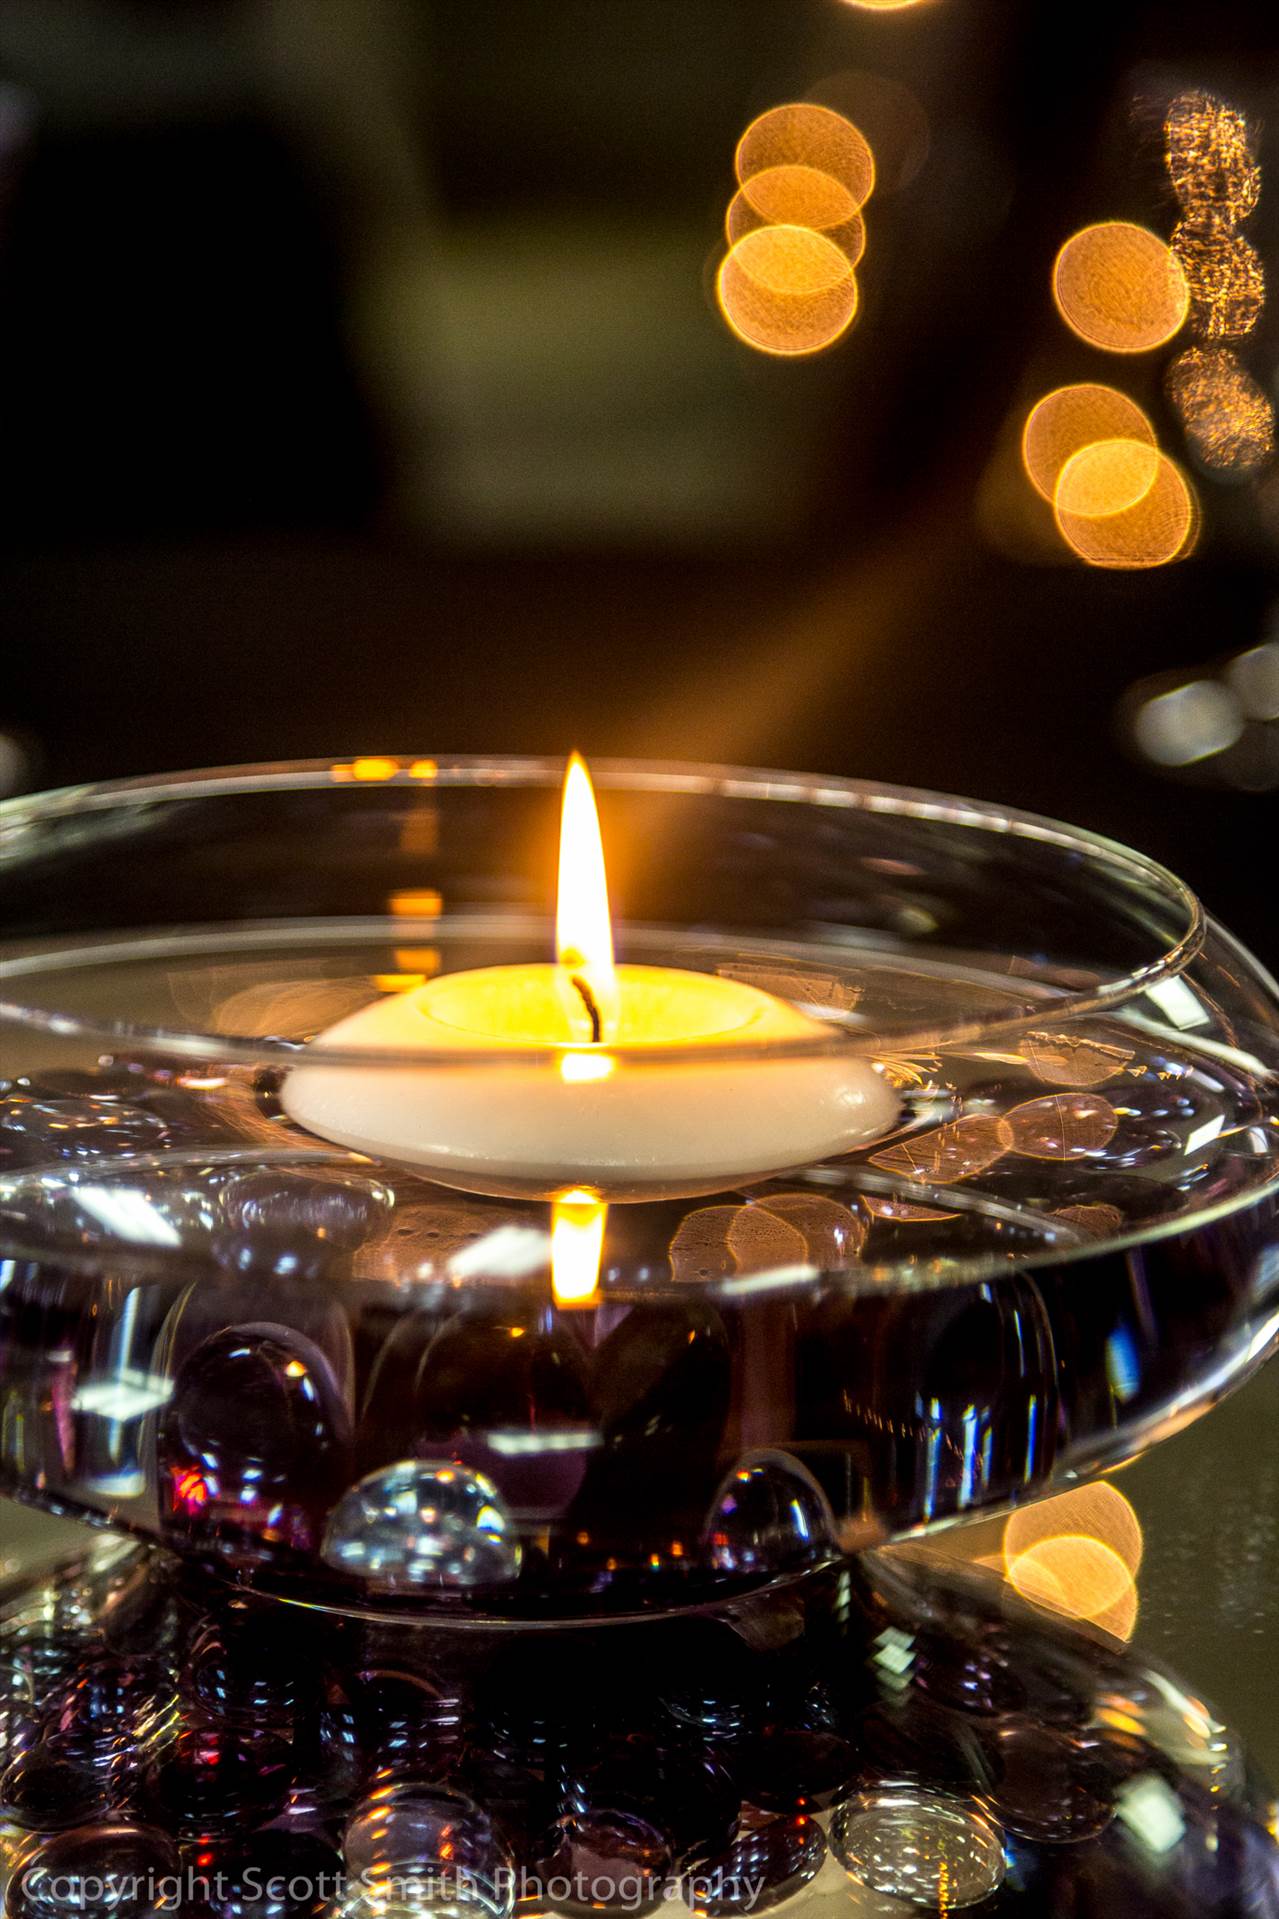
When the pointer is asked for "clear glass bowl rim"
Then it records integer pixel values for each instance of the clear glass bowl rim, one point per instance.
(668, 777)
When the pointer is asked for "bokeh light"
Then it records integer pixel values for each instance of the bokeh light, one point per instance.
(805, 134)
(1061, 1126)
(1224, 275)
(1120, 287)
(890, 117)
(1210, 156)
(833, 1234)
(947, 1153)
(1106, 478)
(1078, 1554)
(1071, 418)
(1253, 678)
(786, 290)
(1157, 527)
(715, 1242)
(1070, 1059)
(799, 197)
(1228, 418)
(1181, 725)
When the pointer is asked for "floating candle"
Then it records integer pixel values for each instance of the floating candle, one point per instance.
(604, 1113)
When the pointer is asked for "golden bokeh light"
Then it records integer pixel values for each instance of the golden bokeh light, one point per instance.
(1078, 1554)
(577, 1245)
(1099, 1510)
(799, 197)
(786, 290)
(1094, 1218)
(902, 1212)
(1158, 527)
(885, 6)
(1070, 1059)
(1210, 156)
(1228, 418)
(715, 1242)
(1106, 478)
(1120, 287)
(1071, 418)
(833, 1234)
(1080, 1578)
(1061, 1126)
(1224, 275)
(804, 134)
(888, 114)
(947, 1153)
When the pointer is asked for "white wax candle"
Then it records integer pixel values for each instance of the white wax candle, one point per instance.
(585, 1119)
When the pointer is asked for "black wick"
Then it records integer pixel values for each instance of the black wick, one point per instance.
(589, 1001)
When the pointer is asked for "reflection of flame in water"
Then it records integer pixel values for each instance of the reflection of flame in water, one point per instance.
(1078, 1554)
(1120, 287)
(1069, 1059)
(1210, 156)
(1071, 418)
(804, 134)
(1224, 276)
(786, 290)
(1156, 526)
(577, 1245)
(799, 197)
(948, 1153)
(1061, 1126)
(714, 1242)
(1228, 418)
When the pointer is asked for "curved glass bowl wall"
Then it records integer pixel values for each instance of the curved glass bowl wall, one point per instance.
(334, 1375)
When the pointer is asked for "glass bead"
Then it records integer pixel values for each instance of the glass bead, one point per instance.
(686, 1794)
(276, 1874)
(407, 1727)
(422, 1524)
(767, 1863)
(935, 1853)
(1047, 1786)
(966, 1675)
(112, 1870)
(242, 1670)
(209, 1782)
(255, 1446)
(46, 1790)
(39, 1125)
(338, 1211)
(769, 1516)
(787, 1769)
(412, 1844)
(605, 1862)
(509, 1398)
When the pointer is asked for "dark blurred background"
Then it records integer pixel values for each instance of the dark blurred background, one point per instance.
(362, 390)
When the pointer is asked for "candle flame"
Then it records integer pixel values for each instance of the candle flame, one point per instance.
(577, 1244)
(583, 931)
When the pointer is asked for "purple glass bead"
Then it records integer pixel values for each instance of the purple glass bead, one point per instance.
(966, 1674)
(45, 1790)
(242, 1671)
(408, 1728)
(509, 1398)
(605, 1862)
(789, 1769)
(662, 1384)
(209, 1782)
(116, 1704)
(1045, 1785)
(275, 1875)
(710, 1684)
(769, 1516)
(910, 1740)
(419, 1845)
(766, 1863)
(112, 1870)
(255, 1446)
(521, 1804)
(686, 1794)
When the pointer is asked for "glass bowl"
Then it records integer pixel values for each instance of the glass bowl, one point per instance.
(336, 1375)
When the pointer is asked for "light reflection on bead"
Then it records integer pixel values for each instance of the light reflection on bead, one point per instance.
(769, 1516)
(933, 1852)
(422, 1523)
(417, 1846)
